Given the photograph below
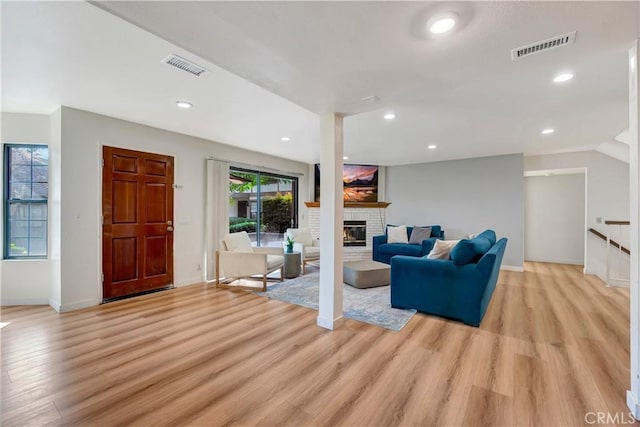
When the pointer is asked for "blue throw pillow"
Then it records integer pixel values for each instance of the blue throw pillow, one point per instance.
(470, 250)
(489, 235)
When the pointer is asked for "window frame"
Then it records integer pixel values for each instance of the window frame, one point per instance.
(294, 192)
(6, 163)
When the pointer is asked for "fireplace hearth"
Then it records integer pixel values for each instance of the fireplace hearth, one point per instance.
(354, 233)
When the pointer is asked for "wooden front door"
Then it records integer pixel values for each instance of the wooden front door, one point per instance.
(137, 230)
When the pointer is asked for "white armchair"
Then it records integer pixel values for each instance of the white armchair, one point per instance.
(237, 259)
(307, 245)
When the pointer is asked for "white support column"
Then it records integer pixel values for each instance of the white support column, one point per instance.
(331, 214)
(634, 186)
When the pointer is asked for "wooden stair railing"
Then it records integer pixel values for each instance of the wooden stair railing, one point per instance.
(613, 242)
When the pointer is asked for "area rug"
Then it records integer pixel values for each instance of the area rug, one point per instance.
(365, 305)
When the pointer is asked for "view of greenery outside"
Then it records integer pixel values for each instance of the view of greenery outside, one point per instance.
(275, 213)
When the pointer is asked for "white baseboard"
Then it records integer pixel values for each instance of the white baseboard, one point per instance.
(619, 283)
(24, 301)
(558, 260)
(78, 305)
(632, 404)
(512, 268)
(189, 281)
(55, 305)
(328, 323)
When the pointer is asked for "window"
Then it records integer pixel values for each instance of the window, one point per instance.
(262, 204)
(26, 191)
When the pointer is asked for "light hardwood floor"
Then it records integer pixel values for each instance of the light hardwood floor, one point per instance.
(553, 346)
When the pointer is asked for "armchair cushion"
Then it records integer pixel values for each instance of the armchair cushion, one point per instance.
(238, 242)
(300, 235)
(311, 252)
(274, 261)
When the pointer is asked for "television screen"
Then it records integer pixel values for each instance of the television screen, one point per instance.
(360, 183)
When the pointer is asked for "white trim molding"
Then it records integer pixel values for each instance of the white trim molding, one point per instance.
(78, 305)
(24, 301)
(512, 268)
(632, 404)
(330, 324)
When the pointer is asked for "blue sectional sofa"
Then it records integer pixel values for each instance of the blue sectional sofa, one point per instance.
(450, 288)
(383, 251)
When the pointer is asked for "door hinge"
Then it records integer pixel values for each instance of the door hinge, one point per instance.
(102, 219)
(102, 162)
(102, 277)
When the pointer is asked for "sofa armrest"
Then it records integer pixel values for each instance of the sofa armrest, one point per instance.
(376, 242)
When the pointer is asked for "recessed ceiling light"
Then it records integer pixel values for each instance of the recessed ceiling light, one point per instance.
(285, 138)
(562, 77)
(443, 23)
(432, 146)
(389, 116)
(345, 157)
(183, 104)
(547, 131)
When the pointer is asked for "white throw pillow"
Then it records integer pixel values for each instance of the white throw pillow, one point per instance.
(238, 242)
(442, 248)
(397, 234)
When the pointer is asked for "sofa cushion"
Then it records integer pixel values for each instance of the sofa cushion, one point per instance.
(397, 234)
(238, 242)
(469, 250)
(401, 249)
(418, 234)
(489, 235)
(441, 249)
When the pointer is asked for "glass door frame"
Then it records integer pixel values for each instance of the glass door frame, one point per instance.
(259, 174)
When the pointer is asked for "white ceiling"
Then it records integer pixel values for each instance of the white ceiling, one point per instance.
(461, 92)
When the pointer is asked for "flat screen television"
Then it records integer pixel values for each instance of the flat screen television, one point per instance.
(360, 183)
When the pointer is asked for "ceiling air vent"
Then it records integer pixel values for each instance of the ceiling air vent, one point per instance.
(543, 45)
(185, 65)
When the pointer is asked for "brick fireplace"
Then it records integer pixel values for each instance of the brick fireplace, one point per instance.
(371, 214)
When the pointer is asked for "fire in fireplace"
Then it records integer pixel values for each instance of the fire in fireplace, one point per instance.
(354, 233)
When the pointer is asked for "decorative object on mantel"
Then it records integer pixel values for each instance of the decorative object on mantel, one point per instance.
(364, 205)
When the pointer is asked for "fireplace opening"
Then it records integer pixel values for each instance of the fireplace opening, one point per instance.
(354, 233)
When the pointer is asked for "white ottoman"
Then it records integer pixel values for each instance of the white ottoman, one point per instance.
(366, 274)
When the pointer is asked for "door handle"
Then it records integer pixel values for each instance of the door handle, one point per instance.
(169, 228)
(169, 223)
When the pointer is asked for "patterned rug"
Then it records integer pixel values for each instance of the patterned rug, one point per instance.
(366, 305)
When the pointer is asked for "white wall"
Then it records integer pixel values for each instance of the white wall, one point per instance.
(554, 218)
(76, 139)
(607, 195)
(24, 281)
(464, 197)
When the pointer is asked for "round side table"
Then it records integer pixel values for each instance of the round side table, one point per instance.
(292, 261)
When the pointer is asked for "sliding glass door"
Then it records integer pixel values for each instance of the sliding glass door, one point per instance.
(262, 204)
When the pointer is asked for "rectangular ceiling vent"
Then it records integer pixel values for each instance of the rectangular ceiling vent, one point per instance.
(185, 65)
(541, 46)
